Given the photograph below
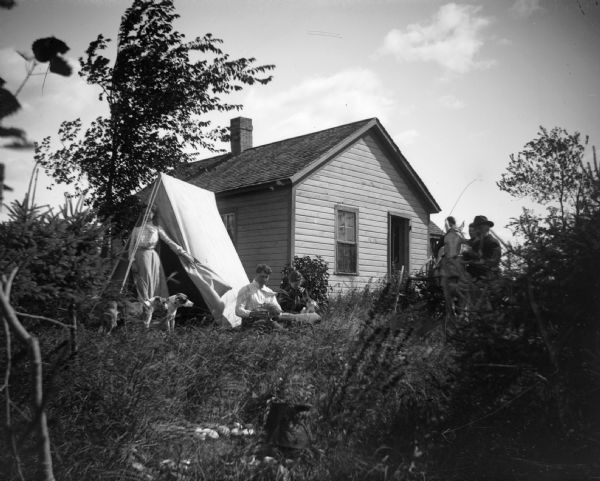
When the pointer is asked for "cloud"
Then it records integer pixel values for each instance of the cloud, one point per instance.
(451, 102)
(316, 103)
(407, 137)
(452, 39)
(525, 8)
(503, 41)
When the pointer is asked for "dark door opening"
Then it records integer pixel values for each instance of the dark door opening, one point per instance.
(398, 248)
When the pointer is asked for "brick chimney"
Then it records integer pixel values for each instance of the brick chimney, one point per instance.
(241, 134)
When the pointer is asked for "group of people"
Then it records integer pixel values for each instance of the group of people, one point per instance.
(257, 303)
(479, 255)
(466, 265)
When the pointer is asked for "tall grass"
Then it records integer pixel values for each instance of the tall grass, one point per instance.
(131, 400)
(388, 399)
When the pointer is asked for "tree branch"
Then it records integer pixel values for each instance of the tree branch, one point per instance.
(42, 318)
(6, 388)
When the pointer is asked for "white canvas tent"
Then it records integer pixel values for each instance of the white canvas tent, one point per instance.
(190, 217)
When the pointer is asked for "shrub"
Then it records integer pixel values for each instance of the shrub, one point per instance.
(58, 256)
(316, 277)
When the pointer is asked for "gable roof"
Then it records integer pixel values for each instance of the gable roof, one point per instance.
(289, 160)
(434, 230)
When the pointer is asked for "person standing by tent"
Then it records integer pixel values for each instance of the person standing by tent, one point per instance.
(255, 301)
(148, 273)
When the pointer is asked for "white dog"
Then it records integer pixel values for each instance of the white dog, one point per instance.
(168, 305)
(311, 306)
(173, 303)
(151, 305)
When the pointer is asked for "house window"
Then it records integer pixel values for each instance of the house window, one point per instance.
(346, 245)
(229, 221)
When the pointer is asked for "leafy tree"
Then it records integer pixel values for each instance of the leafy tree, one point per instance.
(558, 274)
(158, 91)
(549, 170)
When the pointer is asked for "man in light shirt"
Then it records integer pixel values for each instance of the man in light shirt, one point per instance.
(256, 301)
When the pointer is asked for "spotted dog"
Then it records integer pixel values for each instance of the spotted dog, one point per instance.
(173, 303)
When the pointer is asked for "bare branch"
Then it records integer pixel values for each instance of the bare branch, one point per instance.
(8, 359)
(8, 402)
(45, 471)
(43, 318)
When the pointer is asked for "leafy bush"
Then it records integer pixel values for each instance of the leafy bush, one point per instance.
(58, 256)
(418, 292)
(316, 277)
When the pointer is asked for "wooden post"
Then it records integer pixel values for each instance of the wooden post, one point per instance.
(399, 289)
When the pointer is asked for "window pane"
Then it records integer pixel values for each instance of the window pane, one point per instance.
(350, 226)
(229, 221)
(346, 226)
(346, 258)
(341, 233)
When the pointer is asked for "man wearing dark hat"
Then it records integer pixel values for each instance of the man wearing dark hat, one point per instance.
(470, 254)
(486, 248)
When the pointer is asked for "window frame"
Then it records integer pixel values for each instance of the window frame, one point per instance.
(355, 211)
(233, 237)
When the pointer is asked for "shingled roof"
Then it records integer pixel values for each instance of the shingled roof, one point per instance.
(283, 161)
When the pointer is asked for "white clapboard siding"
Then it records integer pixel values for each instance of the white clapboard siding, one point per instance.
(361, 177)
(262, 229)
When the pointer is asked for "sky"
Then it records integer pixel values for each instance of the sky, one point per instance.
(458, 86)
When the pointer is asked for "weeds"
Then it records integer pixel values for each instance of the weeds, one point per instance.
(387, 400)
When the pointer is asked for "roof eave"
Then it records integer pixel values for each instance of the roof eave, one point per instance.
(271, 185)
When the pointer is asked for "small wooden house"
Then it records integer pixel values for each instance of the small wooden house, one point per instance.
(346, 193)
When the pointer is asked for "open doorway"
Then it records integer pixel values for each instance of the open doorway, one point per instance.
(398, 244)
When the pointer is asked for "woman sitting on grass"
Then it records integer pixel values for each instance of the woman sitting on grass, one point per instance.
(296, 297)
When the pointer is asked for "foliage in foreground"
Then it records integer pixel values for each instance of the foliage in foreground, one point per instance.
(58, 255)
(135, 397)
(390, 399)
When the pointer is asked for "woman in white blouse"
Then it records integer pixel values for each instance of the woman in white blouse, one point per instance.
(147, 269)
